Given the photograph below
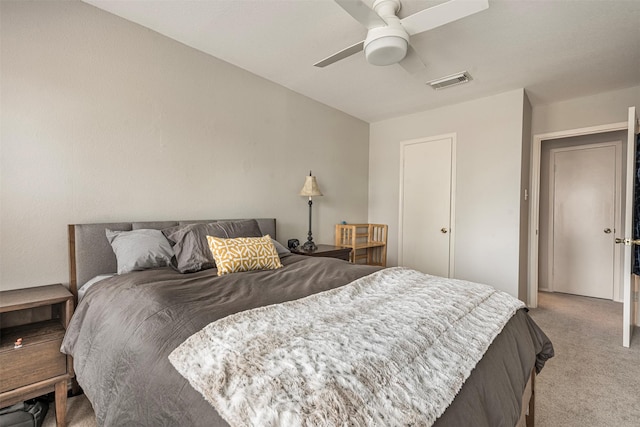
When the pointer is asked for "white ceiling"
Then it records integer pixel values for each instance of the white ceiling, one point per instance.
(556, 50)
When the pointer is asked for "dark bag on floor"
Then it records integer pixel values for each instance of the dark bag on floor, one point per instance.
(25, 414)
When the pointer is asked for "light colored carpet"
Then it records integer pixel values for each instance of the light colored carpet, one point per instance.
(592, 380)
(79, 413)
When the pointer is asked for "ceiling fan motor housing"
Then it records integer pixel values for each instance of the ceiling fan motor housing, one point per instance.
(385, 49)
(386, 45)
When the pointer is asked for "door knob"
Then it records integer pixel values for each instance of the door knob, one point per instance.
(628, 242)
(607, 230)
(444, 230)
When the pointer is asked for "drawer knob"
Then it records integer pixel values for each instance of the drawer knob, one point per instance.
(18, 343)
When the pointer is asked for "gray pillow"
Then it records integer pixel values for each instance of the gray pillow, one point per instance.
(139, 249)
(190, 244)
(282, 251)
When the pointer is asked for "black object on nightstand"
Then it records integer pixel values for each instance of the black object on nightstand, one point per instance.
(327, 251)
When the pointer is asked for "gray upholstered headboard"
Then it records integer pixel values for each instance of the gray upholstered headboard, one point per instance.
(90, 253)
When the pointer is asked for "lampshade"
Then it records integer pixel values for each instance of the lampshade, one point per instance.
(310, 188)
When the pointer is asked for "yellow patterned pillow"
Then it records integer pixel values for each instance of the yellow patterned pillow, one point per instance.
(243, 254)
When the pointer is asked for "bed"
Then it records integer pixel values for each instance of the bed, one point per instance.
(127, 325)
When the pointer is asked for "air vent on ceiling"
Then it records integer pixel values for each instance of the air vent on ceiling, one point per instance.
(451, 80)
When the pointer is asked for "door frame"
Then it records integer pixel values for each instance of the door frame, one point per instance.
(617, 212)
(452, 197)
(629, 280)
(534, 207)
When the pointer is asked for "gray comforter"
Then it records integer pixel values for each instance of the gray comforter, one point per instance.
(125, 327)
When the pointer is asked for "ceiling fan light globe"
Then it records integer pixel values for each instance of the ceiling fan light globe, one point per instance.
(386, 50)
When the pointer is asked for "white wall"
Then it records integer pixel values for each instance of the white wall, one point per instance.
(488, 180)
(594, 110)
(104, 120)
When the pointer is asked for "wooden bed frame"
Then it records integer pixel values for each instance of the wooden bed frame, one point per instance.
(103, 250)
(527, 415)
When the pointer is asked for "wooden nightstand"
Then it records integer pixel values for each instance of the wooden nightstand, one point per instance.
(40, 317)
(325, 251)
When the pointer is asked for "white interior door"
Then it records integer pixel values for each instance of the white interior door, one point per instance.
(627, 310)
(426, 205)
(583, 185)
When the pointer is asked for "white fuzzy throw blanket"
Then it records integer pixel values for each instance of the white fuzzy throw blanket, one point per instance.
(391, 348)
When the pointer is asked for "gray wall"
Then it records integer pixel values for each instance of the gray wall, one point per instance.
(104, 120)
(488, 182)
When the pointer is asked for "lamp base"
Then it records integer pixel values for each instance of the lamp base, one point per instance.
(309, 246)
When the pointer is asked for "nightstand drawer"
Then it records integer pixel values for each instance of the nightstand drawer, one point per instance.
(38, 359)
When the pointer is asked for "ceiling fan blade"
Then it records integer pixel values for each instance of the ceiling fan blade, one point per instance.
(344, 53)
(412, 62)
(362, 13)
(442, 14)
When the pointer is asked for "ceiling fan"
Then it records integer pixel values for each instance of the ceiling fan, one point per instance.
(387, 40)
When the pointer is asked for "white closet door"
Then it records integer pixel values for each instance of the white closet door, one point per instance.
(426, 185)
(584, 186)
